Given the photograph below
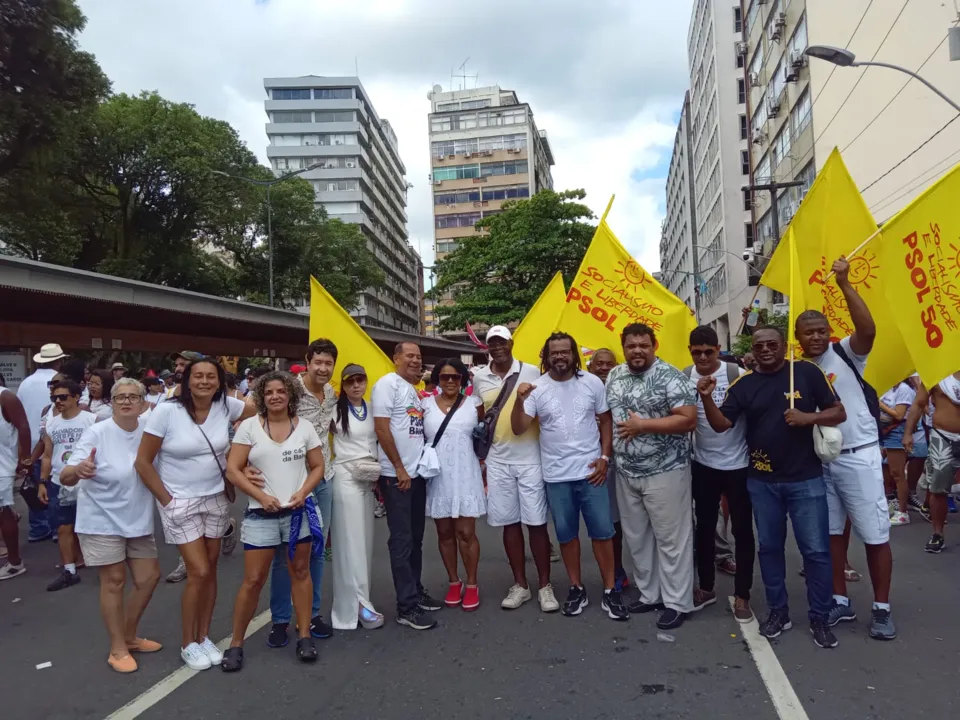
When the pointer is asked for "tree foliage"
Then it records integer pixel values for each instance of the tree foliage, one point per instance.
(495, 277)
(742, 345)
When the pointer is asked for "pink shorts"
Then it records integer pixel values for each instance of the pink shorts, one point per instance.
(188, 519)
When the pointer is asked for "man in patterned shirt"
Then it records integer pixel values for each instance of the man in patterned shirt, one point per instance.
(654, 407)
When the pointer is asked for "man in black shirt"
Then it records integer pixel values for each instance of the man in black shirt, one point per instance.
(785, 475)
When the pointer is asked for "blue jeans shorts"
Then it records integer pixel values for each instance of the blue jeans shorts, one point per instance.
(568, 500)
(258, 532)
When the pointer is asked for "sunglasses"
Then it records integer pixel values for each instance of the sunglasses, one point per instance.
(355, 380)
(59, 398)
(450, 377)
(704, 353)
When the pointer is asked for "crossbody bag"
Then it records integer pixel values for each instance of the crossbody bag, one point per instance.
(229, 490)
(429, 465)
(484, 431)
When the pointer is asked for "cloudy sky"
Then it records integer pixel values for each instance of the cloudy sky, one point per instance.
(605, 78)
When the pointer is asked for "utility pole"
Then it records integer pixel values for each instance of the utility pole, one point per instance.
(772, 188)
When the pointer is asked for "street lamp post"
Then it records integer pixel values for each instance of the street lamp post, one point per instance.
(268, 184)
(844, 58)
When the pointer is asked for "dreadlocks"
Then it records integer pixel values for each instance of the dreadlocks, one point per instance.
(545, 354)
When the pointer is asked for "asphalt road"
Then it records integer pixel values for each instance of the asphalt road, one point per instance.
(493, 663)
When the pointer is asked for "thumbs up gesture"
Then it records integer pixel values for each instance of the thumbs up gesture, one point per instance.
(88, 468)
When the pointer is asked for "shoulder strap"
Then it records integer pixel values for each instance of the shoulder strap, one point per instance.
(733, 371)
(446, 420)
(223, 473)
(838, 348)
(508, 384)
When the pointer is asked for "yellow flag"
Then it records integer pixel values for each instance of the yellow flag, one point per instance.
(920, 253)
(611, 290)
(528, 339)
(329, 320)
(832, 221)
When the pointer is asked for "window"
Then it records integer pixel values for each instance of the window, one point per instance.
(798, 43)
(763, 170)
(780, 147)
(474, 104)
(748, 234)
(753, 12)
(456, 172)
(756, 63)
(335, 117)
(286, 140)
(741, 91)
(291, 94)
(521, 191)
(747, 194)
(292, 117)
(342, 208)
(743, 127)
(450, 198)
(737, 20)
(800, 116)
(342, 185)
(739, 60)
(777, 82)
(509, 167)
(446, 107)
(447, 246)
(440, 124)
(744, 162)
(765, 228)
(462, 220)
(807, 176)
(760, 117)
(333, 94)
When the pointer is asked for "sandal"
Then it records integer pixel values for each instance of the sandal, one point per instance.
(232, 660)
(851, 575)
(306, 650)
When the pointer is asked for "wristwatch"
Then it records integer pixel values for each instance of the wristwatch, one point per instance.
(605, 458)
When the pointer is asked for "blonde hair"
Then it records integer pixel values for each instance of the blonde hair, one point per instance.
(127, 382)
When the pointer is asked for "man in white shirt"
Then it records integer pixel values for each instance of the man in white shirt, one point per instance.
(854, 481)
(516, 495)
(398, 421)
(576, 442)
(34, 395)
(719, 467)
(14, 455)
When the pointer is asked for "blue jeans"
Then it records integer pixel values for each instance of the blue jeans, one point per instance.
(568, 500)
(806, 503)
(281, 604)
(42, 522)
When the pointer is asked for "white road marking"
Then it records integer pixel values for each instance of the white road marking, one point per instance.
(171, 682)
(781, 692)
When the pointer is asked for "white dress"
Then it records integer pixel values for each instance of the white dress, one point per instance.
(458, 490)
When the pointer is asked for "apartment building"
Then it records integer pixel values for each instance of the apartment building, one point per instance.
(678, 254)
(800, 108)
(485, 148)
(718, 135)
(329, 124)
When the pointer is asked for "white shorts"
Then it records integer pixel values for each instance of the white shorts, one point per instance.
(515, 493)
(6, 492)
(855, 489)
(100, 550)
(188, 519)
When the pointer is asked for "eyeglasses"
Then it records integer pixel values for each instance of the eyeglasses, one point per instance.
(127, 399)
(60, 398)
(450, 377)
(704, 353)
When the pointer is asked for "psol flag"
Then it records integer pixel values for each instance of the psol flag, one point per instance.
(920, 253)
(832, 221)
(539, 323)
(329, 320)
(611, 290)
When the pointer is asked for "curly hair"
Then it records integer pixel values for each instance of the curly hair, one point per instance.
(457, 364)
(545, 354)
(294, 391)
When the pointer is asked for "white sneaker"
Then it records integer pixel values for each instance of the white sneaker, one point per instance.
(9, 570)
(548, 601)
(194, 657)
(899, 518)
(179, 573)
(516, 597)
(211, 651)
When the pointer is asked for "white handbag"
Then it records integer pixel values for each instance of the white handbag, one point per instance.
(429, 464)
(827, 442)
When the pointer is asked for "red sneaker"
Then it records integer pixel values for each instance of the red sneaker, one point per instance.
(454, 594)
(471, 598)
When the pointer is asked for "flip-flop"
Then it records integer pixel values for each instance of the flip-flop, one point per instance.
(852, 575)
(142, 645)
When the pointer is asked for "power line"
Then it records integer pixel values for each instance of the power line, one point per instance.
(913, 184)
(833, 69)
(919, 148)
(859, 79)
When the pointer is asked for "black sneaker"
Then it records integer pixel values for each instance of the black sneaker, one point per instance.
(576, 601)
(319, 629)
(278, 636)
(913, 503)
(934, 545)
(67, 579)
(639, 607)
(822, 634)
(777, 621)
(924, 512)
(419, 619)
(428, 603)
(670, 619)
(612, 603)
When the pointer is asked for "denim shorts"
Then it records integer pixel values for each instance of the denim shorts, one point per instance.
(893, 440)
(66, 514)
(569, 499)
(258, 532)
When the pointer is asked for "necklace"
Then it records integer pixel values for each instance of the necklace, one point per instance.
(360, 415)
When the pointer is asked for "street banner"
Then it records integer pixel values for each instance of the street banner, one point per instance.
(539, 323)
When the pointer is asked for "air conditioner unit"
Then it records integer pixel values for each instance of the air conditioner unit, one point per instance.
(791, 73)
(773, 106)
(467, 155)
(488, 153)
(754, 79)
(742, 48)
(774, 32)
(759, 135)
(351, 164)
(438, 182)
(307, 142)
(780, 19)
(797, 58)
(758, 247)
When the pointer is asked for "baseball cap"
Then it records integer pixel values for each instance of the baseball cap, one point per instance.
(164, 374)
(351, 370)
(499, 331)
(297, 369)
(118, 366)
(188, 355)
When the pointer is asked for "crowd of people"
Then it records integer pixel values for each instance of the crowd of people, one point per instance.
(658, 462)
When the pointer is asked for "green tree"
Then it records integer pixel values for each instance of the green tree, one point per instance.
(496, 277)
(741, 345)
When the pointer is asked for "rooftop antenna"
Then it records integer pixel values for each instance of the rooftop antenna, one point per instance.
(463, 76)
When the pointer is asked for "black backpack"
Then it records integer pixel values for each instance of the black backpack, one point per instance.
(869, 394)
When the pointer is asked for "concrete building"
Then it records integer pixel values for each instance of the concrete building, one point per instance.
(485, 148)
(678, 254)
(801, 108)
(330, 122)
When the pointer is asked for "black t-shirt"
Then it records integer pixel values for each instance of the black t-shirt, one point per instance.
(778, 452)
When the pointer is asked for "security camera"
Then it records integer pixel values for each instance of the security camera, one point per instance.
(749, 257)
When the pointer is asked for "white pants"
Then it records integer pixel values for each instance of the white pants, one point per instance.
(352, 539)
(656, 514)
(855, 488)
(515, 493)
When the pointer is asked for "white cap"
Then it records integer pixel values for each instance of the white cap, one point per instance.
(48, 353)
(499, 331)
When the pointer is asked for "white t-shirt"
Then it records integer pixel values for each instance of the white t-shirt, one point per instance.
(395, 398)
(114, 501)
(720, 451)
(34, 395)
(860, 427)
(902, 394)
(283, 465)
(508, 448)
(569, 436)
(65, 434)
(154, 399)
(9, 446)
(185, 464)
(359, 443)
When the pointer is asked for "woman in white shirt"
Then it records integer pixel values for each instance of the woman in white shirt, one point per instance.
(182, 462)
(281, 512)
(455, 497)
(100, 389)
(115, 521)
(893, 412)
(355, 473)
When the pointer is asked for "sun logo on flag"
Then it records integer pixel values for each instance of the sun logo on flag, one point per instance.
(956, 260)
(863, 269)
(632, 274)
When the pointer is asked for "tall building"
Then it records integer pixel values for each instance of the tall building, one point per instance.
(331, 123)
(893, 132)
(678, 252)
(484, 148)
(720, 209)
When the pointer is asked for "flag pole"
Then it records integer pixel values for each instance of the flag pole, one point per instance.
(853, 252)
(609, 205)
(794, 298)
